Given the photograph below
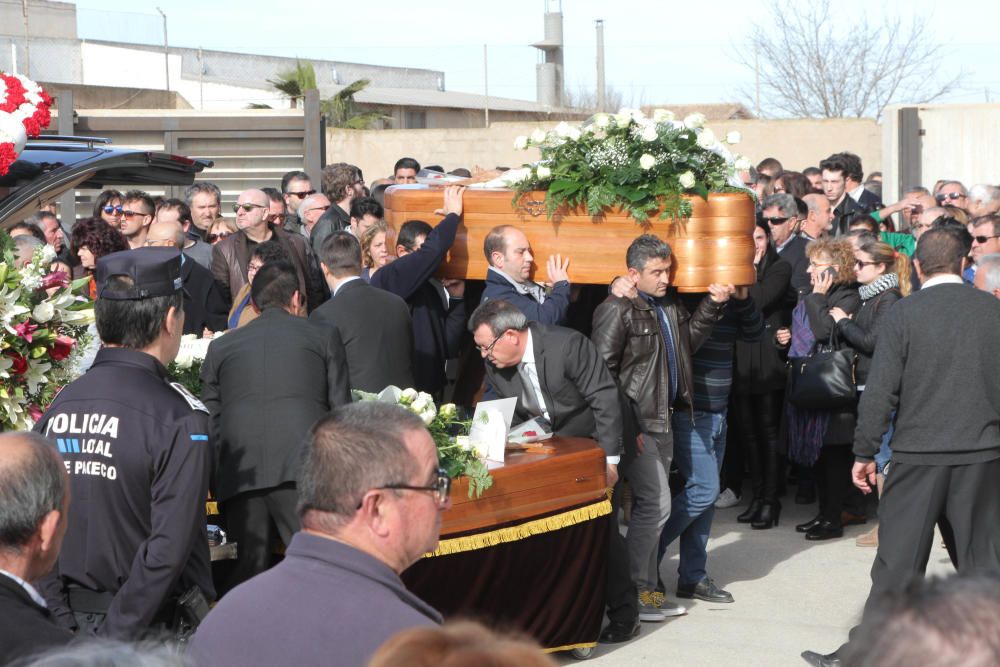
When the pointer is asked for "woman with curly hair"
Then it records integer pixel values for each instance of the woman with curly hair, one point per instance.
(92, 239)
(823, 438)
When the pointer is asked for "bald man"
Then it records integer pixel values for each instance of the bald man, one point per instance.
(314, 226)
(231, 255)
(205, 309)
(34, 494)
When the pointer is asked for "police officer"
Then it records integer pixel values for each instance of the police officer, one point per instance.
(137, 452)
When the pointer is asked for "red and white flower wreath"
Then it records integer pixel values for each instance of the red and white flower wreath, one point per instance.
(24, 111)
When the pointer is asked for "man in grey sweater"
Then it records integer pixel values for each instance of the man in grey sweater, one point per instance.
(946, 444)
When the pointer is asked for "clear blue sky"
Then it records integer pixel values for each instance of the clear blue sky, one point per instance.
(655, 52)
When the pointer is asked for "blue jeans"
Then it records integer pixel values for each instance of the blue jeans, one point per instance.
(699, 448)
(885, 451)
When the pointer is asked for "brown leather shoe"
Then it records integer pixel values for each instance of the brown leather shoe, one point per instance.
(869, 539)
(851, 519)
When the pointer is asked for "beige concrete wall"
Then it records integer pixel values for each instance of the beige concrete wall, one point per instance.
(797, 143)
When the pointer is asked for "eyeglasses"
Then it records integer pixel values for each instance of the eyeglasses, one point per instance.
(489, 348)
(112, 210)
(859, 264)
(303, 194)
(776, 221)
(212, 238)
(158, 242)
(983, 239)
(132, 214)
(441, 487)
(246, 207)
(948, 195)
(816, 265)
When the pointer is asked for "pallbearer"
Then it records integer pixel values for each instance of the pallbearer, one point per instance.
(137, 452)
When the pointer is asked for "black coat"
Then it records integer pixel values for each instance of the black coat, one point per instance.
(759, 367)
(375, 328)
(204, 305)
(861, 332)
(800, 284)
(265, 384)
(437, 328)
(581, 396)
(27, 627)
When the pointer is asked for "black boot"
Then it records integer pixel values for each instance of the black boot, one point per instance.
(767, 517)
(751, 512)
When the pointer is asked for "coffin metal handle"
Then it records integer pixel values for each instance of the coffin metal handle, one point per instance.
(533, 207)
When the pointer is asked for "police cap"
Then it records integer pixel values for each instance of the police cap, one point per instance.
(154, 272)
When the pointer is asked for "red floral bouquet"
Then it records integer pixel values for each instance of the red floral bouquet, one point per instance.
(24, 111)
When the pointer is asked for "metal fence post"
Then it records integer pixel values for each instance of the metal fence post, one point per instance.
(67, 202)
(314, 136)
(910, 153)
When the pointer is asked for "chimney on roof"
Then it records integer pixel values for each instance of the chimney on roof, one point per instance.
(549, 72)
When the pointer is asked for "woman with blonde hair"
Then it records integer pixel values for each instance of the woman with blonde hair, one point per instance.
(822, 438)
(375, 249)
(461, 644)
(884, 277)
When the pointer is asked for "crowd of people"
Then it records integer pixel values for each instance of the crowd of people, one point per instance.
(319, 296)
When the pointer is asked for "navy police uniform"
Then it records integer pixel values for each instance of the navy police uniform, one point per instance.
(138, 455)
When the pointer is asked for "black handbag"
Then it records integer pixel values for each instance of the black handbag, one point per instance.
(825, 379)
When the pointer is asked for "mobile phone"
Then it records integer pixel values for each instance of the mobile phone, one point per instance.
(830, 271)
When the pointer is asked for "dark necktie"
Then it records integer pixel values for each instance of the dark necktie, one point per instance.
(669, 343)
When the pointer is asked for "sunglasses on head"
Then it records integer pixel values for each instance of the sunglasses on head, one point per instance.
(112, 209)
(212, 238)
(303, 194)
(941, 198)
(247, 207)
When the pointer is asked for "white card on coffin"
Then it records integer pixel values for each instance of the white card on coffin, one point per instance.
(490, 424)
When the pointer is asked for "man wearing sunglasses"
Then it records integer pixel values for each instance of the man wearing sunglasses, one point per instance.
(138, 211)
(371, 496)
(231, 256)
(952, 193)
(985, 241)
(780, 213)
(295, 187)
(316, 226)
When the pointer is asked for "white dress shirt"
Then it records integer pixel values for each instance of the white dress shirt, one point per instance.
(943, 280)
(28, 588)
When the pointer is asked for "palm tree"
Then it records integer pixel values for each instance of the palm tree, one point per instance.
(341, 111)
(294, 83)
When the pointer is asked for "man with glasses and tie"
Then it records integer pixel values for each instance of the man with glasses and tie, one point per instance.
(371, 498)
(558, 375)
(231, 255)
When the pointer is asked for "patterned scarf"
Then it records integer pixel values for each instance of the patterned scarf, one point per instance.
(881, 284)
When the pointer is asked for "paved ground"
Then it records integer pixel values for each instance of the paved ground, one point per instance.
(791, 595)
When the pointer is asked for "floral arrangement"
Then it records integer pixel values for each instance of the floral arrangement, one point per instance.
(455, 453)
(186, 366)
(45, 320)
(628, 160)
(24, 111)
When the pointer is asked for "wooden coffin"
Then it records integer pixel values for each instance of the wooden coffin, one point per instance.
(714, 245)
(529, 485)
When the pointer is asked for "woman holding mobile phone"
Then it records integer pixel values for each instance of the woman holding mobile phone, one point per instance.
(823, 438)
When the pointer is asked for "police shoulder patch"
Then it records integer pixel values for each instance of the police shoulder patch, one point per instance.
(191, 399)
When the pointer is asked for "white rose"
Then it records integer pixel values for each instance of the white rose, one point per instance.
(538, 136)
(407, 396)
(734, 137)
(706, 138)
(428, 415)
(649, 133)
(543, 173)
(574, 133)
(448, 411)
(742, 163)
(184, 358)
(694, 120)
(647, 161)
(662, 115)
(562, 129)
(686, 179)
(521, 143)
(48, 254)
(624, 117)
(43, 312)
(602, 120)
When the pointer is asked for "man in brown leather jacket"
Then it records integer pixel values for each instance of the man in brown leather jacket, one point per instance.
(647, 339)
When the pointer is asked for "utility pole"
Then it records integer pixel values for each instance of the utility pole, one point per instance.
(486, 87)
(201, 80)
(27, 45)
(166, 52)
(756, 70)
(600, 65)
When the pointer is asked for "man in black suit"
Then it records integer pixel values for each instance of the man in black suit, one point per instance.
(204, 306)
(437, 308)
(265, 384)
(559, 375)
(374, 325)
(34, 497)
(854, 178)
(946, 440)
(835, 169)
(780, 213)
